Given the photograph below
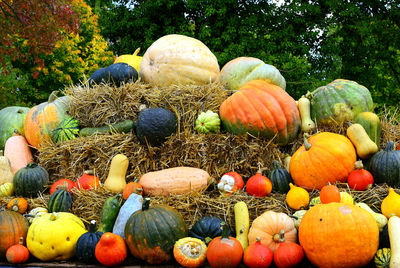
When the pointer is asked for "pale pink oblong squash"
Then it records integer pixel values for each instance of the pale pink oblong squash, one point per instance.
(177, 180)
(18, 152)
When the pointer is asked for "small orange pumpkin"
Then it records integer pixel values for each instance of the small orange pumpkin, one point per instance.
(257, 255)
(132, 188)
(111, 249)
(190, 252)
(258, 185)
(13, 226)
(87, 181)
(288, 255)
(18, 152)
(63, 183)
(329, 193)
(17, 253)
(18, 204)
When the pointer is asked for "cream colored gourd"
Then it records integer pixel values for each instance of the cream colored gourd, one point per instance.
(242, 223)
(36, 213)
(359, 137)
(304, 105)
(6, 174)
(7, 189)
(116, 181)
(390, 205)
(380, 219)
(286, 162)
(297, 216)
(394, 237)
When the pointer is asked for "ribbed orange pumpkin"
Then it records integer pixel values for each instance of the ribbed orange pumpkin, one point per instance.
(324, 157)
(338, 235)
(43, 119)
(13, 226)
(261, 109)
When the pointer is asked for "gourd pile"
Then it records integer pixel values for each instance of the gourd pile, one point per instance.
(168, 158)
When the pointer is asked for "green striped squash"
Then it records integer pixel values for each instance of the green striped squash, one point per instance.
(60, 201)
(30, 180)
(11, 118)
(382, 258)
(339, 101)
(280, 178)
(68, 129)
(372, 125)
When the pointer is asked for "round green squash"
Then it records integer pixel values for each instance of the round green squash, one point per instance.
(30, 180)
(372, 125)
(208, 122)
(151, 233)
(339, 101)
(207, 228)
(60, 201)
(385, 166)
(280, 178)
(86, 244)
(11, 118)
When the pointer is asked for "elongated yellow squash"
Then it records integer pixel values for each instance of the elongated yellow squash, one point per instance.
(116, 181)
(394, 236)
(242, 223)
(304, 105)
(364, 145)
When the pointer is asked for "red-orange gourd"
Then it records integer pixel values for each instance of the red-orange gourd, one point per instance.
(288, 255)
(257, 255)
(261, 109)
(329, 193)
(13, 226)
(338, 235)
(324, 157)
(258, 185)
(87, 181)
(18, 204)
(360, 179)
(132, 188)
(17, 150)
(17, 253)
(61, 183)
(224, 251)
(111, 250)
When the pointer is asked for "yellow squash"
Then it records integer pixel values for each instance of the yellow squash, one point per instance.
(242, 223)
(364, 145)
(297, 197)
(391, 204)
(304, 105)
(133, 60)
(116, 181)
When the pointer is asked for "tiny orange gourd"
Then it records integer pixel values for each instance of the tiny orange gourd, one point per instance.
(329, 193)
(132, 188)
(259, 185)
(17, 253)
(111, 249)
(87, 181)
(18, 204)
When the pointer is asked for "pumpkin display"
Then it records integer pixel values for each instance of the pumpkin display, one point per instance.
(312, 166)
(18, 204)
(53, 236)
(224, 250)
(60, 201)
(62, 182)
(372, 125)
(44, 118)
(11, 118)
(288, 255)
(257, 255)
(190, 252)
(111, 250)
(241, 70)
(360, 179)
(385, 166)
(258, 185)
(208, 227)
(272, 228)
(339, 101)
(261, 109)
(329, 193)
(30, 180)
(6, 174)
(132, 59)
(230, 182)
(132, 188)
(280, 178)
(86, 244)
(178, 59)
(151, 233)
(17, 151)
(13, 226)
(390, 205)
(207, 122)
(297, 197)
(177, 180)
(17, 253)
(342, 228)
(88, 181)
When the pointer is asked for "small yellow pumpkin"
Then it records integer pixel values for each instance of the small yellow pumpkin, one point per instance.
(346, 198)
(297, 197)
(391, 204)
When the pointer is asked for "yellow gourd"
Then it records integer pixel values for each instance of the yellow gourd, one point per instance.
(6, 174)
(133, 60)
(7, 189)
(304, 107)
(359, 137)
(116, 181)
(391, 204)
(394, 237)
(380, 219)
(297, 197)
(242, 223)
(346, 198)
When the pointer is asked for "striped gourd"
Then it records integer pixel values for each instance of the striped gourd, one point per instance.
(30, 180)
(60, 201)
(280, 178)
(68, 129)
(382, 258)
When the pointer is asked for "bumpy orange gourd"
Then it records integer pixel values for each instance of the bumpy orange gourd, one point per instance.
(18, 204)
(111, 250)
(338, 235)
(261, 109)
(324, 157)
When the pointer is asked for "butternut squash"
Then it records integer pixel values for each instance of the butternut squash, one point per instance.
(6, 174)
(394, 236)
(116, 181)
(177, 180)
(242, 223)
(304, 105)
(18, 152)
(364, 145)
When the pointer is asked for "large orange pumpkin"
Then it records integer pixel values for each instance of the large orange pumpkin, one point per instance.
(43, 119)
(338, 235)
(261, 109)
(13, 226)
(324, 157)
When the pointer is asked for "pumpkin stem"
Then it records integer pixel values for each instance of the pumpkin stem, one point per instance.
(282, 236)
(308, 95)
(258, 239)
(260, 169)
(53, 216)
(136, 51)
(307, 145)
(276, 165)
(146, 203)
(207, 240)
(389, 146)
(15, 208)
(53, 96)
(225, 230)
(32, 165)
(92, 226)
(89, 172)
(358, 165)
(21, 240)
(64, 186)
(15, 132)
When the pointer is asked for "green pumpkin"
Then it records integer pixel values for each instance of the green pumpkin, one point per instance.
(116, 73)
(68, 129)
(371, 124)
(151, 233)
(11, 118)
(30, 180)
(339, 101)
(385, 166)
(382, 258)
(208, 122)
(60, 201)
(86, 244)
(280, 178)
(207, 228)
